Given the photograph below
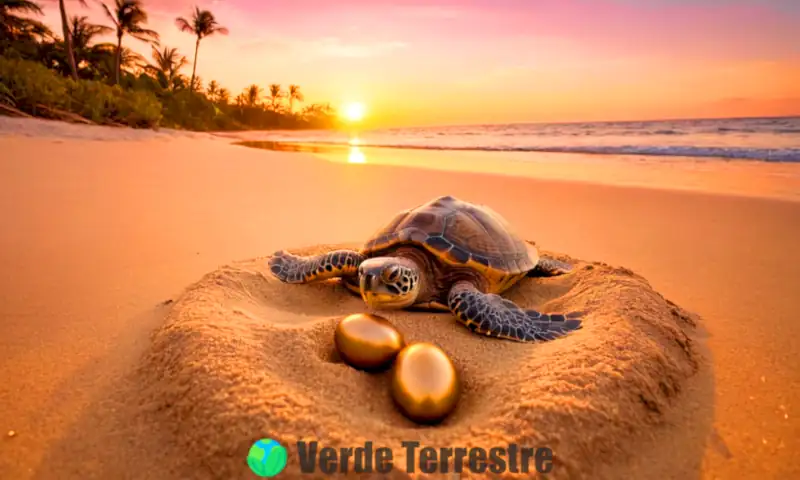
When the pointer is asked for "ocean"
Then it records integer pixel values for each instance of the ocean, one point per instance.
(774, 139)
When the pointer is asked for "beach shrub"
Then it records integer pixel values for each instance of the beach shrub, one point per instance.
(142, 82)
(6, 96)
(104, 103)
(139, 109)
(90, 100)
(31, 84)
(192, 111)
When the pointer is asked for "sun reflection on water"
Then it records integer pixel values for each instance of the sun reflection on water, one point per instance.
(356, 156)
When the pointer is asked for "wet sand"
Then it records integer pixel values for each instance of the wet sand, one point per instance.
(97, 234)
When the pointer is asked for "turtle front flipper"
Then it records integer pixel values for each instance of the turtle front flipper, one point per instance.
(496, 316)
(290, 268)
(549, 267)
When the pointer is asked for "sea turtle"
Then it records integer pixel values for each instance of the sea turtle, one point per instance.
(447, 255)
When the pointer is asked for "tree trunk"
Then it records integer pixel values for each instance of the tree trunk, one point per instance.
(194, 64)
(73, 68)
(118, 60)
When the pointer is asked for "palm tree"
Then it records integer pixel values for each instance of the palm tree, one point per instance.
(65, 30)
(293, 94)
(128, 17)
(223, 96)
(10, 21)
(317, 110)
(212, 90)
(179, 82)
(275, 95)
(81, 34)
(108, 60)
(202, 24)
(168, 63)
(251, 95)
(196, 85)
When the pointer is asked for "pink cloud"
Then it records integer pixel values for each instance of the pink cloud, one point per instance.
(696, 29)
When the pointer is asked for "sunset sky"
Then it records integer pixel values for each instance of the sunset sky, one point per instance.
(418, 62)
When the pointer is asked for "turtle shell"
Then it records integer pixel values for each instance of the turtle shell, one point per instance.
(460, 234)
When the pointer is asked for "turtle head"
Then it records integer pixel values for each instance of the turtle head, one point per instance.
(389, 282)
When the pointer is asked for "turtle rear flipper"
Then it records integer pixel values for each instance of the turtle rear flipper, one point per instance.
(549, 267)
(290, 268)
(495, 316)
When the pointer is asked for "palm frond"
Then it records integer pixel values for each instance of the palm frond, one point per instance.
(202, 23)
(184, 25)
(21, 6)
(109, 14)
(145, 35)
(83, 32)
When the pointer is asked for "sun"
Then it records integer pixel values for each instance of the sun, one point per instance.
(354, 111)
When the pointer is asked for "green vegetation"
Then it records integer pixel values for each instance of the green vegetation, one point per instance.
(75, 78)
(34, 89)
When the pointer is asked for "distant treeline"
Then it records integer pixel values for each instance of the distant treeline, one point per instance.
(72, 77)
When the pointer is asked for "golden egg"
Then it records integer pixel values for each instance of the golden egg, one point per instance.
(367, 342)
(425, 384)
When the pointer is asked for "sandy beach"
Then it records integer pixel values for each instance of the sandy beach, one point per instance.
(111, 240)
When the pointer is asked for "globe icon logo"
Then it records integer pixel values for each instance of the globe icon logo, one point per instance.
(266, 458)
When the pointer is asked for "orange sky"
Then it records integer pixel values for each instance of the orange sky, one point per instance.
(492, 61)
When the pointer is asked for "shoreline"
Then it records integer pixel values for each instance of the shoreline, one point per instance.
(322, 145)
(98, 235)
(745, 178)
(734, 177)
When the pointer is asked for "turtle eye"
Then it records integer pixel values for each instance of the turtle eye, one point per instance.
(390, 274)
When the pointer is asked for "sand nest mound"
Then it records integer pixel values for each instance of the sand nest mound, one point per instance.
(242, 357)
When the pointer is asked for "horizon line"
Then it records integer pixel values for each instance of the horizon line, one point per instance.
(575, 122)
